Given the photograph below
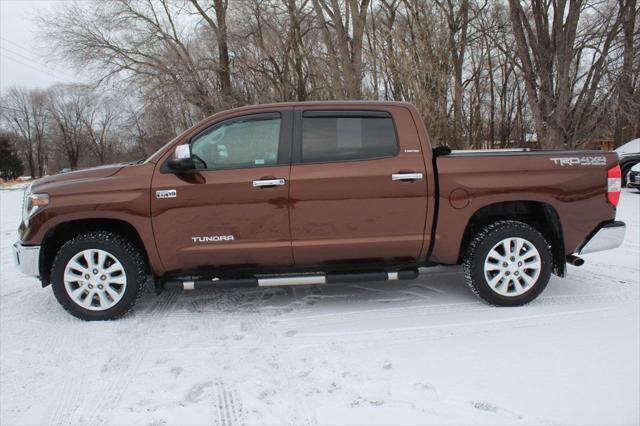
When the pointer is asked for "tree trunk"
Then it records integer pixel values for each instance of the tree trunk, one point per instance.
(628, 108)
(224, 69)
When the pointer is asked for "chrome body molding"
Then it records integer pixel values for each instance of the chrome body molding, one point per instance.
(27, 259)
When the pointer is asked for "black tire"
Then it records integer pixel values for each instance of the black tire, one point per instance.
(478, 251)
(625, 171)
(123, 250)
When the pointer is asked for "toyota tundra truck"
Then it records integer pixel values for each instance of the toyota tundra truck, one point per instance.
(315, 193)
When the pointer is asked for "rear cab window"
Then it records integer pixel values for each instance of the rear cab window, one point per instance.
(335, 136)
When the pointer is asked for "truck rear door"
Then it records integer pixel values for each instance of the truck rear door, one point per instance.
(358, 186)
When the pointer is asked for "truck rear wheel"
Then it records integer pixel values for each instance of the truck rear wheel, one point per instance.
(508, 263)
(98, 275)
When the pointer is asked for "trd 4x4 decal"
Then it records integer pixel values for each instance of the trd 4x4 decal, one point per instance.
(580, 161)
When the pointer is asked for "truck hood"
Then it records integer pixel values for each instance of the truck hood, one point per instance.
(79, 175)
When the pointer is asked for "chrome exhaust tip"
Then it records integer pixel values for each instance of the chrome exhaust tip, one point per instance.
(575, 260)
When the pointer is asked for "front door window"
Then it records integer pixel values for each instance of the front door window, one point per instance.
(238, 144)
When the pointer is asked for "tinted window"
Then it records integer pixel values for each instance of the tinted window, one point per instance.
(238, 144)
(347, 138)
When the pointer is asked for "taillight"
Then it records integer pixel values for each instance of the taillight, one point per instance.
(614, 185)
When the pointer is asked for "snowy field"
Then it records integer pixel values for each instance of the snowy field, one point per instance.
(419, 352)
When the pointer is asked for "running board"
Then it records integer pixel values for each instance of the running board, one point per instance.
(287, 280)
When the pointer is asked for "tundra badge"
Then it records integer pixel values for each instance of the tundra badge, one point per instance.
(167, 193)
(212, 238)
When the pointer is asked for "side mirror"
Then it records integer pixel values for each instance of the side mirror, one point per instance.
(181, 160)
(181, 164)
(441, 150)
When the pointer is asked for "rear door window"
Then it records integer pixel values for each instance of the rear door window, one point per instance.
(347, 136)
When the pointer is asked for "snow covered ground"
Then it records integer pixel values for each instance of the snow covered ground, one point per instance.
(420, 352)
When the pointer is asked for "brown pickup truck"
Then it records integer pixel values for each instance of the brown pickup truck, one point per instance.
(315, 193)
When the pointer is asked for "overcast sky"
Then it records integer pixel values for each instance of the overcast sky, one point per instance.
(23, 61)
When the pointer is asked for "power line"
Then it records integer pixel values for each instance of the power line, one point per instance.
(19, 46)
(44, 71)
(38, 63)
(31, 59)
(6, 40)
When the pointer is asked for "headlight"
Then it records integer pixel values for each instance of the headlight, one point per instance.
(32, 203)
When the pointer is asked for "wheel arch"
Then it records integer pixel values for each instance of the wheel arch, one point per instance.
(63, 232)
(540, 215)
(626, 164)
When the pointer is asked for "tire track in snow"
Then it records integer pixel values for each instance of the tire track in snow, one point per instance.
(70, 390)
(229, 410)
(250, 311)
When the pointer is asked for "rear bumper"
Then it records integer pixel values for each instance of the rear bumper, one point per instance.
(27, 259)
(605, 237)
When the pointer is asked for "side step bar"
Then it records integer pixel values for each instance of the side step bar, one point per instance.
(286, 280)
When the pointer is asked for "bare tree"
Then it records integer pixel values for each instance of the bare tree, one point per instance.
(99, 120)
(67, 105)
(218, 23)
(25, 113)
(562, 65)
(482, 74)
(457, 15)
(143, 41)
(628, 105)
(343, 27)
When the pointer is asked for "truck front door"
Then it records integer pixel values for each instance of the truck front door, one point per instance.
(233, 209)
(358, 186)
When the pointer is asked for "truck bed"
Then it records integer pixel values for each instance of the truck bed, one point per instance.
(572, 182)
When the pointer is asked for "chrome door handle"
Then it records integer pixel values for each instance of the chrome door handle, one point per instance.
(268, 182)
(406, 176)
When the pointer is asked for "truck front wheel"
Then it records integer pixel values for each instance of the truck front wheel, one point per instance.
(508, 263)
(98, 275)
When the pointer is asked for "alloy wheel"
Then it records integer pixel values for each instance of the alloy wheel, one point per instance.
(512, 267)
(95, 279)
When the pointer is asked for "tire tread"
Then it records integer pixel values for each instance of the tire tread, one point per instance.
(471, 255)
(117, 240)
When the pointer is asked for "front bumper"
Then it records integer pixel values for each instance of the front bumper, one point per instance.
(606, 237)
(27, 259)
